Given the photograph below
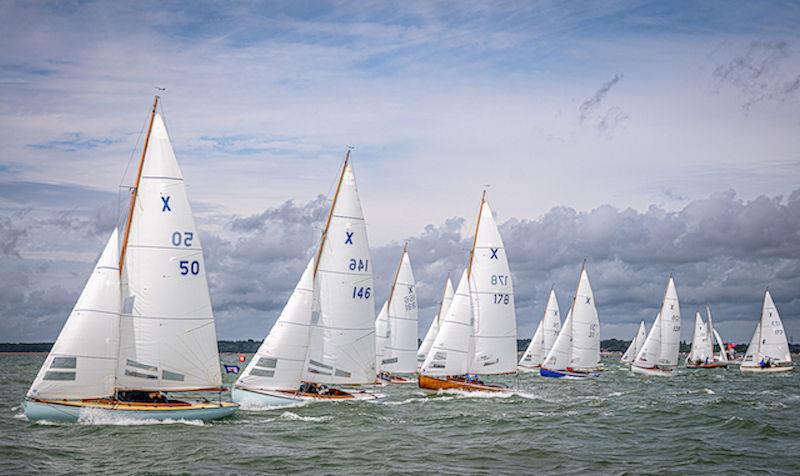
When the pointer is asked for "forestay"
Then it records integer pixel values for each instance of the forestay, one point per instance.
(444, 304)
(279, 362)
(83, 360)
(167, 340)
(451, 352)
(345, 328)
(399, 355)
(492, 293)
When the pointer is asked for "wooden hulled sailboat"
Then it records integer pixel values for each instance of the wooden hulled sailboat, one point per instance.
(659, 354)
(635, 346)
(478, 335)
(768, 351)
(396, 337)
(701, 355)
(325, 334)
(433, 329)
(146, 331)
(576, 351)
(544, 337)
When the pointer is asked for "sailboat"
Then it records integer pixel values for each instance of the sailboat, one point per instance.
(722, 358)
(396, 334)
(143, 325)
(544, 337)
(478, 334)
(659, 354)
(576, 351)
(702, 355)
(768, 351)
(636, 345)
(444, 304)
(325, 334)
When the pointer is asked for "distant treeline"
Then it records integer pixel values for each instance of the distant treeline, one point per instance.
(250, 346)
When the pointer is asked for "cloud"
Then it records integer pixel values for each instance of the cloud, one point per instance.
(613, 116)
(589, 106)
(74, 142)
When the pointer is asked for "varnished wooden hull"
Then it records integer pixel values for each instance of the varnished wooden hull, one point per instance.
(710, 365)
(450, 383)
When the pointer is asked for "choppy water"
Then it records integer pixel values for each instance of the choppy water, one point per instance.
(697, 422)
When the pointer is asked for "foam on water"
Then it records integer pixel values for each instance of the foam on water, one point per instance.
(249, 406)
(104, 418)
(291, 416)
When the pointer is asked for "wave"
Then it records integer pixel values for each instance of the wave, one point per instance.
(291, 416)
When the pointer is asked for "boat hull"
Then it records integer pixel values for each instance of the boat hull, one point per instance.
(449, 383)
(529, 370)
(268, 399)
(711, 365)
(568, 375)
(765, 370)
(395, 379)
(652, 371)
(72, 411)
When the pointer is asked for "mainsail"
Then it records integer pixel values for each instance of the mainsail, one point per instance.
(444, 304)
(83, 360)
(492, 293)
(702, 343)
(343, 336)
(585, 327)
(167, 337)
(279, 362)
(670, 327)
(399, 353)
(769, 340)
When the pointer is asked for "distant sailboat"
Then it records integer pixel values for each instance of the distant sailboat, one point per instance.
(576, 351)
(478, 334)
(325, 334)
(399, 343)
(136, 334)
(636, 345)
(433, 329)
(722, 357)
(768, 351)
(544, 337)
(659, 354)
(702, 354)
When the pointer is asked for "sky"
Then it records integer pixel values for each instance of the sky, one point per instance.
(644, 137)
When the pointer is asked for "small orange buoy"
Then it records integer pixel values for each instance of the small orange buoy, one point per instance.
(242, 358)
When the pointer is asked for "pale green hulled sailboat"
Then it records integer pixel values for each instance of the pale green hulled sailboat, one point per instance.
(143, 325)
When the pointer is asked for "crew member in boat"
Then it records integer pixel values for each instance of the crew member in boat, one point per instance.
(142, 397)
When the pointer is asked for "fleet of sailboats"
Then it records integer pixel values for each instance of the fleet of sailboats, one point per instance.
(143, 330)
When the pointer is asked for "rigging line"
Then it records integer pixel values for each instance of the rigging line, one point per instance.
(127, 167)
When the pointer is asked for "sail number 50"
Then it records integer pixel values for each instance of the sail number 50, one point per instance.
(361, 292)
(189, 267)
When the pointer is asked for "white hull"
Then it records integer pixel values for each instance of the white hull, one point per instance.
(267, 400)
(652, 371)
(764, 370)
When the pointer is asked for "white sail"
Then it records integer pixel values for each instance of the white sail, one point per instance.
(399, 355)
(670, 327)
(279, 362)
(585, 328)
(451, 352)
(83, 360)
(651, 348)
(345, 328)
(559, 356)
(492, 293)
(636, 344)
(444, 304)
(381, 335)
(769, 342)
(534, 354)
(723, 354)
(168, 340)
(551, 323)
(701, 341)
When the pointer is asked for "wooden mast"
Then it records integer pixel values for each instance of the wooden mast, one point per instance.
(396, 275)
(475, 238)
(136, 186)
(330, 212)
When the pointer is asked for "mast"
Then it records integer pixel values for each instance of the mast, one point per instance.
(396, 274)
(475, 238)
(330, 212)
(136, 186)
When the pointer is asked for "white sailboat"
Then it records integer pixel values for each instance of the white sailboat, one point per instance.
(722, 358)
(399, 346)
(135, 335)
(636, 345)
(703, 340)
(544, 337)
(325, 334)
(659, 354)
(768, 351)
(478, 334)
(576, 352)
(433, 329)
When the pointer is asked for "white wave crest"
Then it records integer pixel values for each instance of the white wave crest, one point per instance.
(101, 417)
(291, 416)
